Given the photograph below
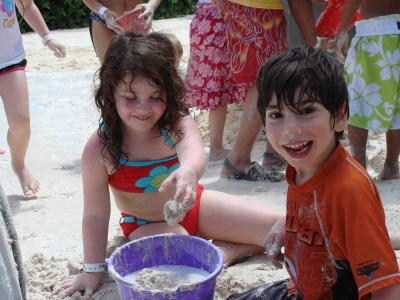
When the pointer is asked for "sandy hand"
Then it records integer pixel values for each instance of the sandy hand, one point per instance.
(87, 282)
(274, 242)
(58, 48)
(174, 211)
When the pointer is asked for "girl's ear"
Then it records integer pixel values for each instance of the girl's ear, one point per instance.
(341, 119)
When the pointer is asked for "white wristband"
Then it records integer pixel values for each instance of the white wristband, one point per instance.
(47, 38)
(102, 10)
(99, 267)
(316, 46)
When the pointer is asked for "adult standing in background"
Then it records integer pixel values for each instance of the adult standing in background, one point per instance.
(256, 30)
(105, 12)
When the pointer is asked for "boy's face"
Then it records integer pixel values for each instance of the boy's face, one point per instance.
(304, 139)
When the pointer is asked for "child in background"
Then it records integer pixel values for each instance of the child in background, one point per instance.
(334, 234)
(373, 65)
(148, 150)
(14, 86)
(177, 47)
(209, 81)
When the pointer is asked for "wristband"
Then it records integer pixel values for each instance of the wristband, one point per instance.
(99, 267)
(47, 38)
(102, 10)
(316, 46)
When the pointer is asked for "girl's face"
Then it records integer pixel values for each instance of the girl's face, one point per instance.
(140, 103)
(304, 139)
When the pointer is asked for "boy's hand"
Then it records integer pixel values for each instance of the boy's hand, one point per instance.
(274, 242)
(342, 46)
(58, 48)
(87, 282)
(186, 185)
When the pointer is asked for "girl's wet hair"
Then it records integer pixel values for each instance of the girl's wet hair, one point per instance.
(320, 78)
(150, 57)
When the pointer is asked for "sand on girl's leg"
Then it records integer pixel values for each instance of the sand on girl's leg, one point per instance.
(30, 186)
(233, 252)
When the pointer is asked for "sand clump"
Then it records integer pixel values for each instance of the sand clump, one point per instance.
(154, 280)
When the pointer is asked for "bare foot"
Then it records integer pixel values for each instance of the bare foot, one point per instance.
(390, 171)
(2, 151)
(232, 252)
(30, 186)
(220, 154)
(395, 240)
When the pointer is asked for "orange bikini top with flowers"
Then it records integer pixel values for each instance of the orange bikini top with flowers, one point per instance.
(144, 176)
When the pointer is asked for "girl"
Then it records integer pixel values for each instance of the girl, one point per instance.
(13, 83)
(105, 12)
(209, 81)
(148, 150)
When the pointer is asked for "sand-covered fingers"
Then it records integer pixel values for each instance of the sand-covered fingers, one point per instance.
(59, 49)
(185, 181)
(274, 241)
(87, 282)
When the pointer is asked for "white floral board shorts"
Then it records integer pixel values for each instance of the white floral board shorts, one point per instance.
(373, 66)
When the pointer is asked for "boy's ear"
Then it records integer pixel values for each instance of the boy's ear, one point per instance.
(341, 120)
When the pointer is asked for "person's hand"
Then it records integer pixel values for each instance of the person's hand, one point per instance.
(186, 185)
(274, 242)
(87, 282)
(109, 17)
(341, 46)
(147, 10)
(58, 48)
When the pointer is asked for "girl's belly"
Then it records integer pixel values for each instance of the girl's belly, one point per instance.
(147, 206)
(120, 6)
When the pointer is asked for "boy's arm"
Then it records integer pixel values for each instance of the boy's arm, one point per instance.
(303, 14)
(35, 20)
(391, 292)
(342, 38)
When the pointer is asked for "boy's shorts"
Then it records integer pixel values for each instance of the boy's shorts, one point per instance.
(190, 222)
(276, 290)
(373, 66)
(253, 35)
(14, 67)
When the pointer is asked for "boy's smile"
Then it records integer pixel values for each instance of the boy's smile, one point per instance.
(303, 135)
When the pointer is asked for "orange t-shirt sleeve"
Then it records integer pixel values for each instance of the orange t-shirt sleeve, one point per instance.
(356, 228)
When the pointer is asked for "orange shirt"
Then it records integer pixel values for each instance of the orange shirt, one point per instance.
(336, 242)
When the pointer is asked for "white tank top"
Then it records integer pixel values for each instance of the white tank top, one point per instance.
(11, 49)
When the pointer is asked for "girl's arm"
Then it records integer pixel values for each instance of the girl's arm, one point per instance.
(35, 20)
(148, 11)
(96, 215)
(193, 162)
(108, 15)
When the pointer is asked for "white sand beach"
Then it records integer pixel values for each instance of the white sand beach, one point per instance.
(63, 117)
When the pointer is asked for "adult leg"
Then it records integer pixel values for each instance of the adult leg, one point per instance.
(238, 226)
(102, 37)
(390, 168)
(14, 92)
(216, 121)
(358, 143)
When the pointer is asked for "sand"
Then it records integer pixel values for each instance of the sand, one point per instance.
(62, 119)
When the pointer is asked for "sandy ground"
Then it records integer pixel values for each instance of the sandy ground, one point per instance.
(62, 118)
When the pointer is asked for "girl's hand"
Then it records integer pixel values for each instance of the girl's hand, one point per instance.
(147, 10)
(58, 48)
(185, 181)
(274, 242)
(109, 17)
(87, 282)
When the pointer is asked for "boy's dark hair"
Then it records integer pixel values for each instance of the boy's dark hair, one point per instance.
(148, 57)
(319, 77)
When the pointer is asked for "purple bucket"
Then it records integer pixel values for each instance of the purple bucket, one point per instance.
(166, 249)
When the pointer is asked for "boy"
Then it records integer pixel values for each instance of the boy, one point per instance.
(373, 65)
(336, 242)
